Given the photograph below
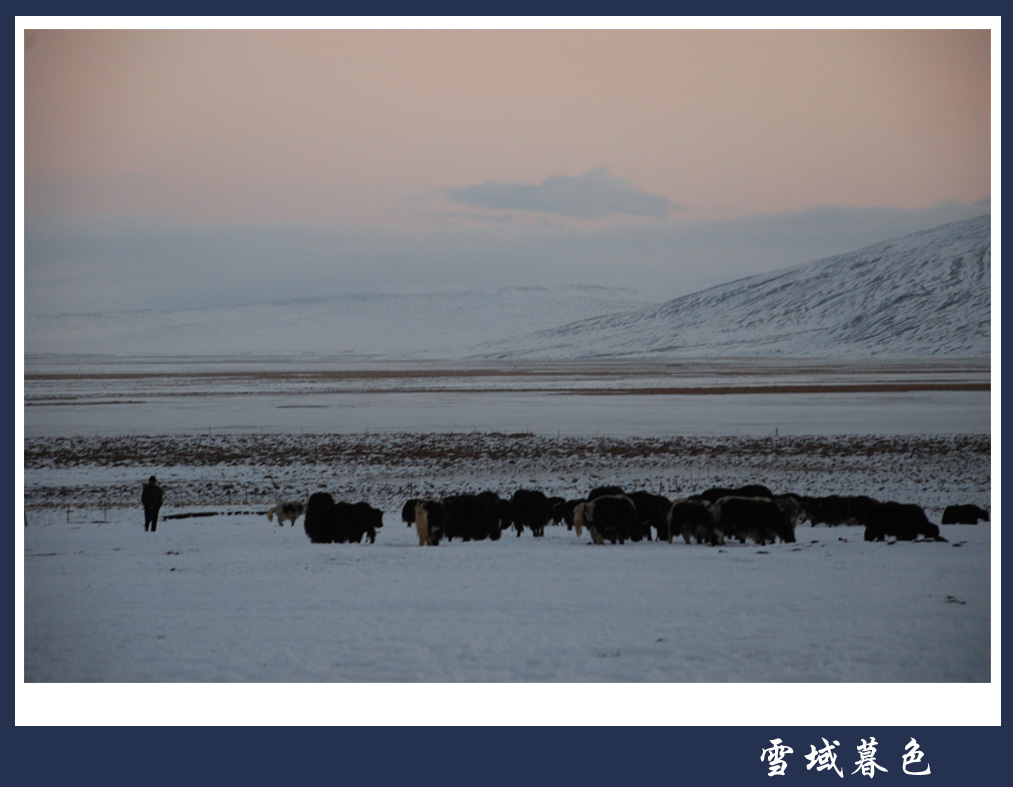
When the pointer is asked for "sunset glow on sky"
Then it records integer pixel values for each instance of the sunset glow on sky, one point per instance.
(226, 153)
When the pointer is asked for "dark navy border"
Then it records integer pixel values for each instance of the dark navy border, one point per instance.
(516, 8)
(494, 756)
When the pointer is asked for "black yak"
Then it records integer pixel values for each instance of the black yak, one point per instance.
(530, 508)
(470, 518)
(328, 522)
(602, 491)
(692, 519)
(759, 519)
(652, 511)
(353, 521)
(607, 518)
(408, 512)
(715, 493)
(964, 515)
(836, 510)
(903, 521)
(317, 522)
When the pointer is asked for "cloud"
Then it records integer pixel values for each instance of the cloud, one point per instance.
(594, 195)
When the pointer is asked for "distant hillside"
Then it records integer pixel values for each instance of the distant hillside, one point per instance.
(439, 324)
(924, 295)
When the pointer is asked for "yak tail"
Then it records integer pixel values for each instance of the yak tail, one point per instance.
(270, 515)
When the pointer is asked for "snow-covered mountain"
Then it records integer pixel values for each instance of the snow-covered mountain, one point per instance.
(924, 295)
(444, 324)
(927, 294)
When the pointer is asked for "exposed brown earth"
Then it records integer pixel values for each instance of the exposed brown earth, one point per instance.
(386, 469)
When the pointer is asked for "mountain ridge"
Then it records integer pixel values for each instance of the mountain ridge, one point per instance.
(923, 295)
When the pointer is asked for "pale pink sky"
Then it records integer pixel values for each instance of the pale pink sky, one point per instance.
(417, 129)
(343, 125)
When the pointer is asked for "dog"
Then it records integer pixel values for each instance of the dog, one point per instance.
(290, 511)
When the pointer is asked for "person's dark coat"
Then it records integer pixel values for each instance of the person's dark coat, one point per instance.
(151, 495)
(151, 499)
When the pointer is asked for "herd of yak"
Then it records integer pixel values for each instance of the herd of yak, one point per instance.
(611, 515)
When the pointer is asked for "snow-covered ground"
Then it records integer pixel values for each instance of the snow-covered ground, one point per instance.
(68, 396)
(227, 618)
(233, 599)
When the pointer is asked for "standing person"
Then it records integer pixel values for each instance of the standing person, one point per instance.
(151, 499)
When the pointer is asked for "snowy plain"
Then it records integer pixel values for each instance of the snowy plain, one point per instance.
(68, 395)
(237, 599)
(227, 618)
(231, 599)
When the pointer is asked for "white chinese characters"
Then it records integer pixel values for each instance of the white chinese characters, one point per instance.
(866, 762)
(775, 757)
(914, 755)
(825, 758)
